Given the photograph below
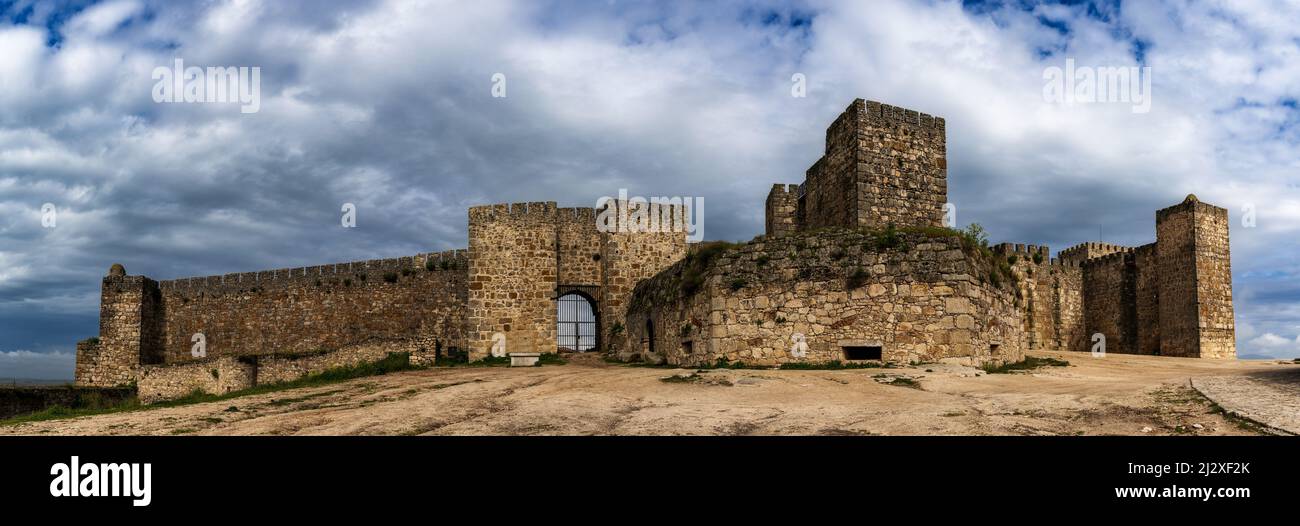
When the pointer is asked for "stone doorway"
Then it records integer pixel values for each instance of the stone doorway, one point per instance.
(578, 329)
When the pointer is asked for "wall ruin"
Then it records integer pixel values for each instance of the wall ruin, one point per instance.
(921, 298)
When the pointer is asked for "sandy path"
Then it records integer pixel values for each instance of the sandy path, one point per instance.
(1112, 395)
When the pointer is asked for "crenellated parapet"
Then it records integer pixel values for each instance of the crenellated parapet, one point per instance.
(1085, 251)
(239, 281)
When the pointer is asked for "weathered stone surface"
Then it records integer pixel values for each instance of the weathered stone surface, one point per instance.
(819, 309)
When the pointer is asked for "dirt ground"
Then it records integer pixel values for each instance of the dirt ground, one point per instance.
(1115, 395)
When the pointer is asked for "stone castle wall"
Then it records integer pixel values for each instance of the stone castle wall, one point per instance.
(782, 210)
(130, 332)
(1084, 251)
(1053, 292)
(524, 255)
(513, 269)
(923, 300)
(1110, 293)
(1195, 281)
(1217, 322)
(882, 165)
(1147, 299)
(323, 307)
(288, 311)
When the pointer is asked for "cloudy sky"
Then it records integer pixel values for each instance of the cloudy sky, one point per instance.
(388, 105)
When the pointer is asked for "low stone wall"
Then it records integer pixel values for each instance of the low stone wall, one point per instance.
(213, 376)
(229, 373)
(16, 401)
(274, 369)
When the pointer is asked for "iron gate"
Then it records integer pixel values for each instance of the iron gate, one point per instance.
(577, 329)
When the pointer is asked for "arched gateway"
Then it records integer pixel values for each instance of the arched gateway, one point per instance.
(578, 326)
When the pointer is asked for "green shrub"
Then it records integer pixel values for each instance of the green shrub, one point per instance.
(857, 279)
(887, 239)
(697, 264)
(737, 284)
(390, 277)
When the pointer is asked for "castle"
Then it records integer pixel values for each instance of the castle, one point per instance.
(854, 265)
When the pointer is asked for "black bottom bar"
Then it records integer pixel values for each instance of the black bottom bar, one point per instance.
(309, 475)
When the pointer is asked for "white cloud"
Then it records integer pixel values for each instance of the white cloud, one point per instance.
(100, 20)
(37, 366)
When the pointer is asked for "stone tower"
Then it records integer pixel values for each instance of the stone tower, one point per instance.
(130, 331)
(882, 165)
(1195, 293)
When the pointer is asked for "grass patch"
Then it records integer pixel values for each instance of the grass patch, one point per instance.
(287, 401)
(901, 381)
(833, 365)
(680, 379)
(722, 363)
(1241, 423)
(697, 264)
(489, 361)
(551, 358)
(1029, 363)
(394, 362)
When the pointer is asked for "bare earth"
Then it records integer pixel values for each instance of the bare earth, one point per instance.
(1115, 395)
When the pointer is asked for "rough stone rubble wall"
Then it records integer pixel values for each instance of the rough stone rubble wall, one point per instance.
(1147, 299)
(921, 303)
(1110, 293)
(225, 374)
(1053, 314)
(782, 210)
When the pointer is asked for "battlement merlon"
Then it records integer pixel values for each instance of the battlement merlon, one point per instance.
(527, 211)
(1089, 250)
(782, 189)
(862, 112)
(1190, 203)
(782, 209)
(455, 258)
(1021, 249)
